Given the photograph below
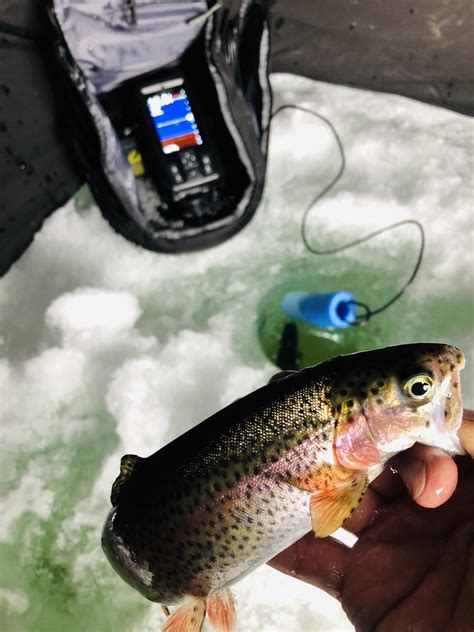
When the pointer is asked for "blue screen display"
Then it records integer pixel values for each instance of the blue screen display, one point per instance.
(173, 119)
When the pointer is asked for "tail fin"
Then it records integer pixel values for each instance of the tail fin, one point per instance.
(190, 616)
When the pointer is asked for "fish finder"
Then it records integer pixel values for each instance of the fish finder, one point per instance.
(175, 139)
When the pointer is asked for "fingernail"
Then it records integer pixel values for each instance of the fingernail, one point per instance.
(413, 475)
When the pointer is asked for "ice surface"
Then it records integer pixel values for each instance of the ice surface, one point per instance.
(108, 349)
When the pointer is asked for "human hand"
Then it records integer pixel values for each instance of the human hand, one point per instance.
(412, 567)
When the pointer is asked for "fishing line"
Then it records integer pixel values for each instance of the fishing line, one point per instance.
(21, 32)
(367, 312)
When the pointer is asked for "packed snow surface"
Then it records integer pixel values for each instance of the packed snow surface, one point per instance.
(107, 349)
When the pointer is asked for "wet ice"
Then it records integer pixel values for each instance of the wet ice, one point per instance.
(107, 349)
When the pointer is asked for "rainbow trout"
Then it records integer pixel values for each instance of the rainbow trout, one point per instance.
(204, 511)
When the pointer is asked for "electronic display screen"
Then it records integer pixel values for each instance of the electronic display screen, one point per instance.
(173, 119)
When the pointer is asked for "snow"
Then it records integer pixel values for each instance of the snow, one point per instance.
(108, 349)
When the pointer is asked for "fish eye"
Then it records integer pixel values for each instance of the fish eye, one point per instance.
(419, 387)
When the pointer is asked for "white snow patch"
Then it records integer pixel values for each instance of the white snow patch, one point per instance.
(93, 312)
(99, 334)
(16, 600)
(30, 495)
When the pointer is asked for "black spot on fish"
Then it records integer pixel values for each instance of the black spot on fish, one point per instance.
(379, 401)
(380, 383)
(374, 391)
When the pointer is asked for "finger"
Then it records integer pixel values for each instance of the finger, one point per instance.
(463, 611)
(437, 595)
(317, 561)
(468, 415)
(387, 487)
(363, 516)
(429, 474)
(466, 432)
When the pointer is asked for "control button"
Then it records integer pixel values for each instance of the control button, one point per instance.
(207, 168)
(188, 160)
(191, 174)
(206, 165)
(177, 177)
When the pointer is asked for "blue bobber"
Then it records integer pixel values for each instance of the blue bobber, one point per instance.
(321, 309)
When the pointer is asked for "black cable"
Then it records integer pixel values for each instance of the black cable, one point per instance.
(331, 251)
(19, 31)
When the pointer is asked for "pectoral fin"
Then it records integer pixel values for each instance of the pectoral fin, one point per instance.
(221, 611)
(190, 616)
(331, 506)
(187, 618)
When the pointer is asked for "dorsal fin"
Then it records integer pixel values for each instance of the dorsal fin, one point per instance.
(128, 464)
